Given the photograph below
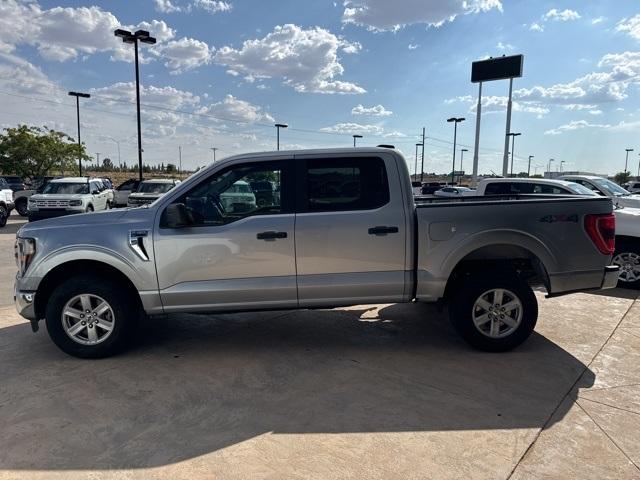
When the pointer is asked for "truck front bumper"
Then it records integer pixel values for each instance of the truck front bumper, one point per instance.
(25, 304)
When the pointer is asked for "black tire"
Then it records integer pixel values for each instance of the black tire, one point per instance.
(89, 209)
(627, 256)
(4, 215)
(22, 207)
(462, 309)
(126, 314)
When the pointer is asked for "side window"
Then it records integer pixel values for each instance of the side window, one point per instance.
(126, 186)
(501, 188)
(93, 188)
(227, 196)
(549, 190)
(345, 184)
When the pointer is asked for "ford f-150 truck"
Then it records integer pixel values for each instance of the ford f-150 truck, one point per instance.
(345, 230)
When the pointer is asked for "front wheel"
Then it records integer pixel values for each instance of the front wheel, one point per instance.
(22, 207)
(627, 257)
(493, 312)
(4, 215)
(89, 317)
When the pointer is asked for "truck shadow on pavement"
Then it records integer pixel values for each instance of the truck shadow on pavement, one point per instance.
(199, 384)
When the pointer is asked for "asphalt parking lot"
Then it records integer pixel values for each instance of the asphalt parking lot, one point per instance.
(373, 391)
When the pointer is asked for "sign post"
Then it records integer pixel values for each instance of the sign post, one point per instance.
(499, 68)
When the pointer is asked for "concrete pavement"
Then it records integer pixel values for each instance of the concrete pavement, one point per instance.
(374, 391)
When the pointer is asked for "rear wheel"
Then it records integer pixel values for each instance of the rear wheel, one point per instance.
(89, 209)
(88, 317)
(22, 207)
(627, 257)
(493, 312)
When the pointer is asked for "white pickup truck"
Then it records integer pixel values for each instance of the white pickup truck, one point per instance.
(344, 230)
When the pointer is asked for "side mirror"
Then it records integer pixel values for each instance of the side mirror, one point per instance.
(177, 215)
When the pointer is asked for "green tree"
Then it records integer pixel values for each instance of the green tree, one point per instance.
(34, 152)
(171, 168)
(107, 164)
(622, 177)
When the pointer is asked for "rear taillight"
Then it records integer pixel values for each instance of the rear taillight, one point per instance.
(602, 231)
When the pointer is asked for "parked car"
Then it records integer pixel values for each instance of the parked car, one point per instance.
(107, 188)
(454, 192)
(627, 253)
(429, 188)
(21, 198)
(15, 182)
(320, 248)
(239, 198)
(150, 190)
(606, 188)
(66, 196)
(265, 193)
(632, 187)
(6, 201)
(122, 192)
(416, 188)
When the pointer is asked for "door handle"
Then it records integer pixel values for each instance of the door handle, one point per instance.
(382, 230)
(271, 235)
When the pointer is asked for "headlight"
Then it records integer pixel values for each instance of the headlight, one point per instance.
(75, 203)
(25, 249)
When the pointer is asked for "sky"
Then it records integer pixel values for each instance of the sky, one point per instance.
(224, 71)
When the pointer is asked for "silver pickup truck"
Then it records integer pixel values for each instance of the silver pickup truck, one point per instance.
(344, 229)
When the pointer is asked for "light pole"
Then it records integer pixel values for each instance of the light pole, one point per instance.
(179, 159)
(639, 167)
(626, 160)
(513, 141)
(461, 158)
(561, 163)
(98, 159)
(529, 167)
(549, 167)
(278, 127)
(354, 139)
(144, 37)
(214, 153)
(415, 170)
(78, 95)
(455, 134)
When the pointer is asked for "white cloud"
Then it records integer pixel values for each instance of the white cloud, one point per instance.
(597, 20)
(165, 6)
(536, 27)
(505, 46)
(306, 60)
(166, 97)
(22, 77)
(494, 104)
(212, 6)
(561, 16)
(185, 54)
(630, 25)
(375, 111)
(394, 134)
(354, 128)
(595, 112)
(583, 124)
(233, 109)
(413, 46)
(380, 15)
(351, 47)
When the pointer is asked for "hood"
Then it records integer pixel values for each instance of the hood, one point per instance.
(102, 219)
(146, 195)
(632, 201)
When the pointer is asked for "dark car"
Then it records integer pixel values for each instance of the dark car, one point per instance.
(15, 183)
(429, 188)
(265, 193)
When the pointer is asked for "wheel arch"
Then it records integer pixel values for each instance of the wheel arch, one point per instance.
(66, 270)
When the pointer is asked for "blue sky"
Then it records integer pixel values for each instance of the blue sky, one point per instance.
(224, 71)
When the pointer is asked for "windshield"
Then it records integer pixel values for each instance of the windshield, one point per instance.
(611, 188)
(155, 187)
(581, 189)
(64, 188)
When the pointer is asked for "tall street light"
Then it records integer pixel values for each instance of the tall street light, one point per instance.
(461, 159)
(626, 160)
(455, 121)
(144, 37)
(354, 139)
(78, 95)
(513, 141)
(278, 127)
(415, 169)
(529, 167)
(549, 167)
(561, 163)
(213, 149)
(639, 167)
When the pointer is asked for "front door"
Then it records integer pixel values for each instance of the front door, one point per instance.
(237, 255)
(350, 231)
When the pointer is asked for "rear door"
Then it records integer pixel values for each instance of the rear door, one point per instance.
(350, 230)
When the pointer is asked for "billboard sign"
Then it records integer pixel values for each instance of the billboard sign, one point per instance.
(497, 68)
